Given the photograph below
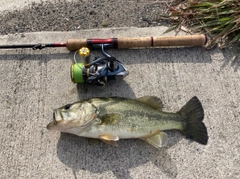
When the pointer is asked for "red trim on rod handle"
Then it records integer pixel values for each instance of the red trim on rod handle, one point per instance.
(60, 44)
(102, 41)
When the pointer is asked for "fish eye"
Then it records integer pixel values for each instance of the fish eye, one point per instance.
(67, 106)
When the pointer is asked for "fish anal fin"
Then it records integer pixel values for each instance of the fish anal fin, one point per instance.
(109, 137)
(151, 101)
(157, 140)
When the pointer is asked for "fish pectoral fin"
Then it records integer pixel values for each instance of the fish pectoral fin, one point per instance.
(109, 137)
(151, 101)
(111, 118)
(110, 142)
(157, 140)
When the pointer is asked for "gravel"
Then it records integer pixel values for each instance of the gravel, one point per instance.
(70, 16)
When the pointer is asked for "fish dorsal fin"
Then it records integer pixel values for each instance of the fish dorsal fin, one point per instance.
(157, 140)
(151, 101)
(109, 137)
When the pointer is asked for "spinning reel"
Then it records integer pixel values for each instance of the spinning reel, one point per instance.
(96, 70)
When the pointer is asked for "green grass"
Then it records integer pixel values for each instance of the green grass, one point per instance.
(219, 19)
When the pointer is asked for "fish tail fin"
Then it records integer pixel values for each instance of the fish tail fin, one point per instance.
(193, 115)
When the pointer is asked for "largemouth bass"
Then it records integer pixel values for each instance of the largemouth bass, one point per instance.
(111, 119)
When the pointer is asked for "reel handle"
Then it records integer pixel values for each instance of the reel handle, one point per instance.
(162, 41)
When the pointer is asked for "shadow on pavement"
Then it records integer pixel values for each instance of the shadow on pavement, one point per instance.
(78, 154)
(231, 57)
(127, 56)
(114, 88)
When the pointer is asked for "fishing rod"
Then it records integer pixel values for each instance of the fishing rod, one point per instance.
(98, 70)
(117, 43)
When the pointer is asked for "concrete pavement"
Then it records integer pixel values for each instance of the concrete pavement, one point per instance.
(33, 83)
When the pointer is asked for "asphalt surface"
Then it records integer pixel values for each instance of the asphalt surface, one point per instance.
(33, 83)
(70, 15)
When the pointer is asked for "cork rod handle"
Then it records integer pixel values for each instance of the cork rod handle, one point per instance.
(170, 41)
(162, 41)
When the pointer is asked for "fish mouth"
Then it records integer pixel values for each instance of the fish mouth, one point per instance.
(54, 121)
(54, 118)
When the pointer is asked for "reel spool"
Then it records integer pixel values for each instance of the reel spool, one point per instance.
(99, 71)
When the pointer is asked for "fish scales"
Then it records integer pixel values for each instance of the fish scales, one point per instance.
(135, 116)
